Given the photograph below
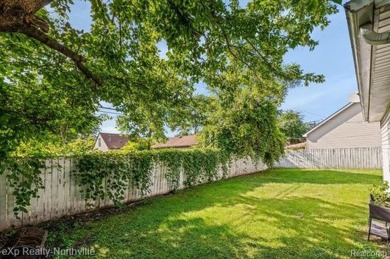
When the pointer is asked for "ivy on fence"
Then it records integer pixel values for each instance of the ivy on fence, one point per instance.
(24, 176)
(108, 175)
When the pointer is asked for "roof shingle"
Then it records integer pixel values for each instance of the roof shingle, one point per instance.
(178, 142)
(114, 140)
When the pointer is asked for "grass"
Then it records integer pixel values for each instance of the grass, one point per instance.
(279, 213)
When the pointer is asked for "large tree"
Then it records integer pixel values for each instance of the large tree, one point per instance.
(226, 44)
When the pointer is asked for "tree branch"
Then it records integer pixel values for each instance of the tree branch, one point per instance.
(38, 35)
(33, 6)
(37, 22)
(28, 6)
(268, 64)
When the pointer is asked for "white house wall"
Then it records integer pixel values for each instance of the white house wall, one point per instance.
(385, 135)
(103, 146)
(346, 130)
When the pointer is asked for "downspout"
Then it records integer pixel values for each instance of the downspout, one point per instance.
(374, 38)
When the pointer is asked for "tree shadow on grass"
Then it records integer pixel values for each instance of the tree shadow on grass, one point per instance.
(311, 227)
(226, 220)
(280, 229)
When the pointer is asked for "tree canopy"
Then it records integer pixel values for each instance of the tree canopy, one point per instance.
(245, 124)
(53, 76)
(292, 125)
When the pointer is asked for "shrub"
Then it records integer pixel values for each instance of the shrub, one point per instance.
(380, 194)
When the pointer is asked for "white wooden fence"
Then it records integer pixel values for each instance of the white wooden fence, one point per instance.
(61, 195)
(364, 158)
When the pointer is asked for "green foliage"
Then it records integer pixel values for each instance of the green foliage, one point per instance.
(26, 163)
(141, 144)
(52, 146)
(245, 125)
(200, 166)
(197, 110)
(292, 126)
(24, 176)
(36, 106)
(380, 193)
(337, 1)
(197, 165)
(173, 162)
(231, 48)
(44, 90)
(107, 175)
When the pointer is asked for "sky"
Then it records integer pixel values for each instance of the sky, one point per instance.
(331, 58)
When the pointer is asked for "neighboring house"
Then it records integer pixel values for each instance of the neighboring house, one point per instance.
(178, 142)
(369, 29)
(344, 129)
(110, 141)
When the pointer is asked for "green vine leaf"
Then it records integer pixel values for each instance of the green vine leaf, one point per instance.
(25, 178)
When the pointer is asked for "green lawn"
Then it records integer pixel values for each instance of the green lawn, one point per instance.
(280, 213)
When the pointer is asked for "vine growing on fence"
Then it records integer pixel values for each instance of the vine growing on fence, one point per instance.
(24, 177)
(108, 175)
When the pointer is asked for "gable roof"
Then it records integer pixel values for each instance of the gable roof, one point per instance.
(178, 142)
(329, 118)
(114, 140)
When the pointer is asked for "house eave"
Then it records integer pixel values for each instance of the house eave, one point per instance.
(357, 13)
(371, 66)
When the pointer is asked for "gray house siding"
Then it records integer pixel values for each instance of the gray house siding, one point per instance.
(345, 129)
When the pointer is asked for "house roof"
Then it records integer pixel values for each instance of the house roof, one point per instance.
(178, 142)
(372, 64)
(328, 119)
(114, 140)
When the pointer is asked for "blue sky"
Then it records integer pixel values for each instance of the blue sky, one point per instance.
(332, 58)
